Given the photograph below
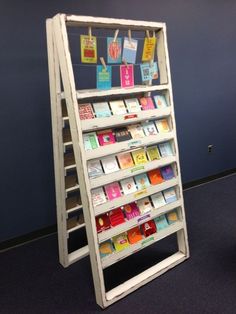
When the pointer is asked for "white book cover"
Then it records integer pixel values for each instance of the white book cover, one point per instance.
(118, 107)
(94, 168)
(98, 196)
(165, 149)
(170, 195)
(128, 186)
(149, 128)
(136, 131)
(144, 205)
(110, 164)
(158, 200)
(90, 141)
(132, 105)
(162, 125)
(102, 109)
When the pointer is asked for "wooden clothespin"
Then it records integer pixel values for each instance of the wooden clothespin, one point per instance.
(115, 35)
(154, 34)
(129, 36)
(125, 63)
(90, 32)
(103, 63)
(147, 34)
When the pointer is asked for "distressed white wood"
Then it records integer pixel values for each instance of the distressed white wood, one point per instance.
(78, 254)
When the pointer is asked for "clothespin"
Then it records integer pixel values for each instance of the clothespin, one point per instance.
(154, 34)
(115, 35)
(90, 32)
(129, 35)
(147, 34)
(125, 63)
(103, 63)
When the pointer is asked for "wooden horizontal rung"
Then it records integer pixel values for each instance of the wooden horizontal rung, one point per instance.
(75, 223)
(70, 181)
(69, 160)
(66, 134)
(78, 254)
(76, 228)
(73, 203)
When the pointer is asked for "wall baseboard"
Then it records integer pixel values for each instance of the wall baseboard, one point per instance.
(53, 229)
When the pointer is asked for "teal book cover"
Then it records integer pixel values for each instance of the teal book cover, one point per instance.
(161, 222)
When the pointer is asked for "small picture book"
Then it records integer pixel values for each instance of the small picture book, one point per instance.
(131, 210)
(153, 153)
(112, 190)
(98, 196)
(139, 156)
(109, 164)
(155, 176)
(162, 125)
(167, 172)
(142, 181)
(90, 141)
(136, 131)
(161, 222)
(86, 111)
(116, 217)
(146, 103)
(125, 160)
(172, 217)
(158, 200)
(170, 195)
(122, 134)
(132, 105)
(128, 186)
(106, 248)
(165, 149)
(134, 235)
(160, 101)
(120, 242)
(102, 223)
(94, 168)
(101, 109)
(144, 205)
(148, 228)
(149, 128)
(105, 137)
(118, 107)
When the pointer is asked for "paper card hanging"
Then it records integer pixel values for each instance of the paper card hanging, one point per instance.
(129, 50)
(88, 47)
(114, 49)
(127, 75)
(149, 71)
(149, 48)
(103, 77)
(154, 70)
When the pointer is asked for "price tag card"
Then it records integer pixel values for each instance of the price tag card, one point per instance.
(88, 48)
(127, 75)
(103, 77)
(114, 50)
(149, 48)
(130, 50)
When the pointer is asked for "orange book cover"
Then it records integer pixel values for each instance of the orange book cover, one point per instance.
(155, 176)
(125, 160)
(134, 235)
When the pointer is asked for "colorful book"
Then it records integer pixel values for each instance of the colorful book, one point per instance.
(110, 164)
(122, 134)
(136, 131)
(158, 200)
(139, 156)
(118, 107)
(170, 195)
(129, 50)
(86, 111)
(90, 141)
(88, 45)
(167, 172)
(165, 149)
(125, 160)
(116, 217)
(148, 48)
(144, 205)
(120, 242)
(153, 153)
(106, 137)
(148, 228)
(114, 49)
(94, 168)
(131, 210)
(142, 181)
(106, 248)
(102, 223)
(149, 128)
(162, 125)
(128, 186)
(155, 176)
(132, 105)
(134, 235)
(112, 190)
(160, 101)
(102, 109)
(161, 222)
(172, 217)
(98, 196)
(146, 103)
(104, 77)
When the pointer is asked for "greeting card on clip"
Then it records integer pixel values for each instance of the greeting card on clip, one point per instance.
(114, 50)
(149, 71)
(88, 47)
(103, 77)
(148, 48)
(127, 75)
(130, 50)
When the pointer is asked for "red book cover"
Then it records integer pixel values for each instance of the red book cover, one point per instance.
(146, 103)
(112, 190)
(86, 111)
(148, 228)
(155, 176)
(105, 137)
(116, 217)
(102, 223)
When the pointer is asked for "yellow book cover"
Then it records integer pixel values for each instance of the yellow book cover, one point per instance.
(149, 48)
(162, 125)
(153, 153)
(139, 157)
(120, 242)
(88, 49)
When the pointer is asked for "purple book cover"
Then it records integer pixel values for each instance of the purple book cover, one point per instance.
(167, 172)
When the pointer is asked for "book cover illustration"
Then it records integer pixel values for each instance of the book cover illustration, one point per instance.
(139, 156)
(146, 103)
(148, 228)
(153, 153)
(172, 217)
(120, 242)
(116, 217)
(144, 205)
(102, 223)
(134, 235)
(145, 72)
(161, 222)
(131, 210)
(106, 248)
(102, 109)
(88, 46)
(129, 50)
(149, 128)
(142, 181)
(167, 172)
(104, 77)
(165, 149)
(128, 186)
(162, 125)
(127, 76)
(132, 105)
(160, 101)
(106, 137)
(125, 160)
(94, 168)
(122, 134)
(158, 200)
(86, 111)
(155, 176)
(170, 195)
(114, 49)
(112, 190)
(110, 164)
(118, 107)
(90, 141)
(148, 48)
(98, 196)
(136, 131)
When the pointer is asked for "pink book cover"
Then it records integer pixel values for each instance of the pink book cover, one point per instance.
(106, 137)
(146, 103)
(131, 210)
(112, 190)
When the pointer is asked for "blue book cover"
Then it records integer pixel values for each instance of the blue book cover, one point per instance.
(161, 222)
(103, 77)
(170, 195)
(165, 149)
(167, 172)
(160, 101)
(142, 181)
(130, 50)
(101, 109)
(114, 50)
